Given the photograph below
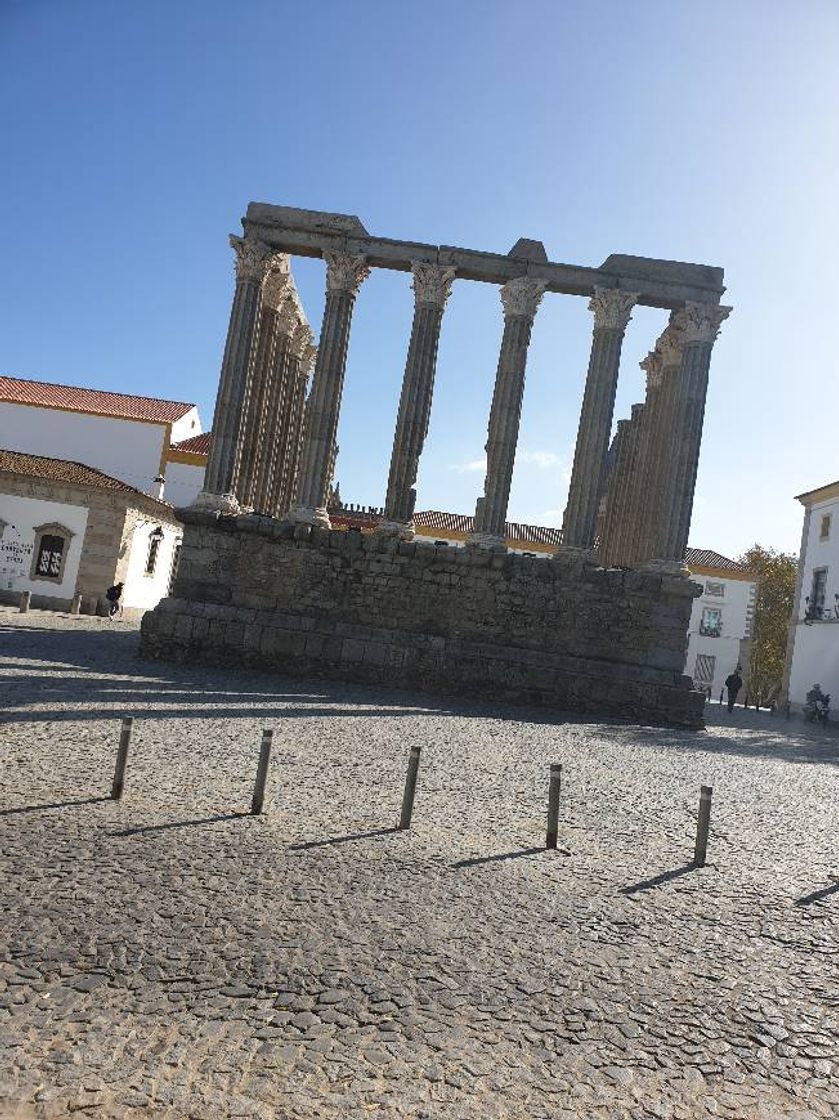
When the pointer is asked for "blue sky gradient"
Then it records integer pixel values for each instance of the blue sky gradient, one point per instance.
(135, 135)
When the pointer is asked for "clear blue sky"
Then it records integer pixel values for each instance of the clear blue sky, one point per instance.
(134, 135)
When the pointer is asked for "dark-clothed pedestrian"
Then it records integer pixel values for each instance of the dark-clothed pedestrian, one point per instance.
(733, 682)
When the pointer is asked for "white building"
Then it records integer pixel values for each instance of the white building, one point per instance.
(139, 440)
(813, 645)
(720, 621)
(67, 529)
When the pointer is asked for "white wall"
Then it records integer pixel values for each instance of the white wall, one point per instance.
(815, 650)
(188, 425)
(736, 605)
(24, 514)
(127, 449)
(142, 591)
(183, 482)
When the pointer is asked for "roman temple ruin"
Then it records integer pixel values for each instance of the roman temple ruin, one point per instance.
(264, 579)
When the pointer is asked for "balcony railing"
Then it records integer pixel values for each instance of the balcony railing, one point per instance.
(710, 631)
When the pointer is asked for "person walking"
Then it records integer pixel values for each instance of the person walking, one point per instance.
(113, 595)
(733, 682)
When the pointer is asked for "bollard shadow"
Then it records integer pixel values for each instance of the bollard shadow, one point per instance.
(816, 896)
(53, 805)
(665, 877)
(146, 828)
(303, 846)
(503, 856)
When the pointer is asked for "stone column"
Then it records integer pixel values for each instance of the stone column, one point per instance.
(612, 309)
(253, 259)
(275, 404)
(432, 285)
(297, 411)
(254, 444)
(651, 487)
(520, 298)
(288, 435)
(698, 326)
(344, 275)
(611, 552)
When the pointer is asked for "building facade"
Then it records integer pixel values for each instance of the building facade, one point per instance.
(720, 630)
(813, 644)
(67, 529)
(145, 442)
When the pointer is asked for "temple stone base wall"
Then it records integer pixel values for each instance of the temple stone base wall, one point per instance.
(314, 602)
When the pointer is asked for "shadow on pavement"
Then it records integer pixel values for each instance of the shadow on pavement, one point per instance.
(665, 877)
(53, 805)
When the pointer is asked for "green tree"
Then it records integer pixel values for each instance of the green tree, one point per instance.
(776, 574)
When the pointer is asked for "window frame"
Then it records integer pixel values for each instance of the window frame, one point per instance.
(824, 527)
(51, 529)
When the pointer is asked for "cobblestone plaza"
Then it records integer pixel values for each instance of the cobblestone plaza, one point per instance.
(171, 956)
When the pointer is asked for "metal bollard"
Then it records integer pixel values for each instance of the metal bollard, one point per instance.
(262, 772)
(25, 597)
(702, 824)
(122, 758)
(553, 805)
(76, 604)
(410, 788)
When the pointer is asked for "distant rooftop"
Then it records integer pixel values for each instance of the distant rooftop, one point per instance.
(100, 402)
(63, 470)
(195, 445)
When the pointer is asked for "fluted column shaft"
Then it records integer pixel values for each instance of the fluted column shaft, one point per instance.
(252, 260)
(520, 298)
(612, 310)
(431, 285)
(280, 378)
(612, 544)
(699, 325)
(294, 443)
(344, 275)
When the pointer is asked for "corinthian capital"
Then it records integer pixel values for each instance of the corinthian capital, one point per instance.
(300, 339)
(276, 285)
(522, 296)
(701, 322)
(652, 365)
(345, 272)
(612, 308)
(669, 345)
(252, 257)
(288, 315)
(432, 283)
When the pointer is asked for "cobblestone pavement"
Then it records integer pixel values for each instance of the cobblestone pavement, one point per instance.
(171, 956)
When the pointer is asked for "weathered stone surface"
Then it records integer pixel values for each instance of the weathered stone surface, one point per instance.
(348, 605)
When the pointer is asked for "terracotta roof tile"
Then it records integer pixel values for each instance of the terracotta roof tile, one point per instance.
(196, 445)
(514, 530)
(62, 470)
(706, 558)
(18, 390)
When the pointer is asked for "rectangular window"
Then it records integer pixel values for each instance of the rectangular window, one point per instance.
(715, 589)
(824, 528)
(703, 674)
(49, 557)
(151, 559)
(711, 623)
(815, 608)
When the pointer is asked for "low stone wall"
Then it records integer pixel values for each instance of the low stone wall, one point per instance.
(318, 603)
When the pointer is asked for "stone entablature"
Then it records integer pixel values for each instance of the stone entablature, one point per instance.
(313, 601)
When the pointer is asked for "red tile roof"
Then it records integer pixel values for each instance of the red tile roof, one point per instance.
(513, 530)
(196, 445)
(18, 390)
(706, 558)
(62, 470)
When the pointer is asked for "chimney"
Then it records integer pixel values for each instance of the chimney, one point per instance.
(157, 487)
